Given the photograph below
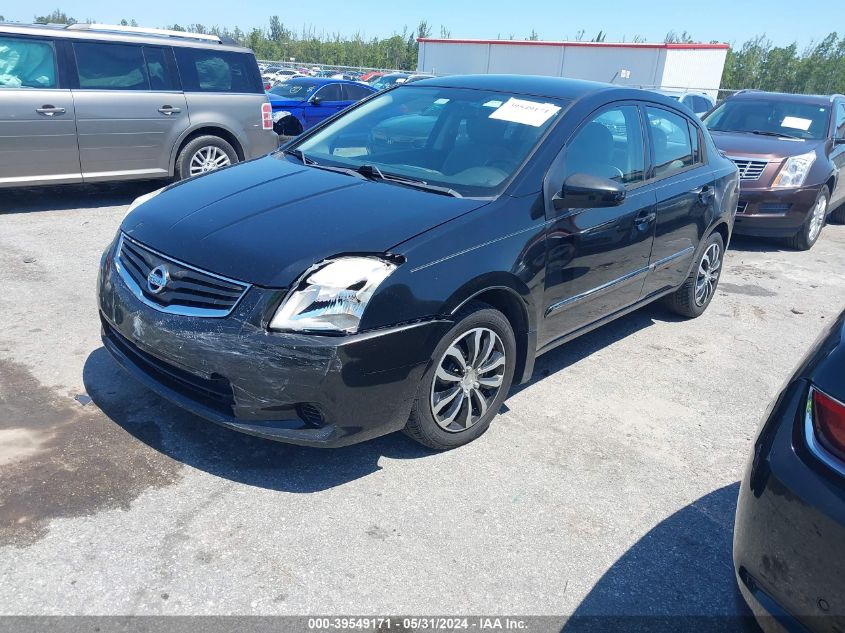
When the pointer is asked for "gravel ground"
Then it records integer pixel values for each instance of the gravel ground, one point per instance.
(608, 487)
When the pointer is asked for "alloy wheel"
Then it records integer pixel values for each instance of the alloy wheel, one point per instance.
(468, 379)
(708, 274)
(817, 219)
(207, 159)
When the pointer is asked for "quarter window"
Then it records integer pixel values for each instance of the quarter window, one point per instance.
(27, 63)
(110, 66)
(609, 145)
(218, 71)
(670, 141)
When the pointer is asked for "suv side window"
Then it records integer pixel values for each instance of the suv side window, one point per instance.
(330, 92)
(839, 132)
(110, 66)
(158, 69)
(355, 93)
(609, 145)
(670, 141)
(218, 71)
(27, 63)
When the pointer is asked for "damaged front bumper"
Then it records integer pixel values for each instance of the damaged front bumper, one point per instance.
(323, 391)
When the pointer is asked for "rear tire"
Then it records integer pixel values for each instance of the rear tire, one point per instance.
(203, 154)
(696, 293)
(468, 378)
(813, 225)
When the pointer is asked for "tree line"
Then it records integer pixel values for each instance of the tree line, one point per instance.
(758, 63)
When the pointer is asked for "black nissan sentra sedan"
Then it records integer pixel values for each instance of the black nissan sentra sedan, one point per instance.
(343, 288)
(789, 538)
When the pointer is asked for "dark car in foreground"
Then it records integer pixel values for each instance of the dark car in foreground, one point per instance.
(342, 289)
(789, 539)
(789, 150)
(302, 102)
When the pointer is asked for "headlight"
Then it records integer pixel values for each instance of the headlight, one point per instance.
(332, 298)
(794, 171)
(142, 199)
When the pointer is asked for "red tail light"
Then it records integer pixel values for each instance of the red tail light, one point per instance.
(828, 428)
(266, 116)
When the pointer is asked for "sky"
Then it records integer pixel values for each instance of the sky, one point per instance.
(782, 21)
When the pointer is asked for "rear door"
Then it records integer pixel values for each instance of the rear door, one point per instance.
(597, 259)
(685, 188)
(331, 102)
(37, 126)
(130, 109)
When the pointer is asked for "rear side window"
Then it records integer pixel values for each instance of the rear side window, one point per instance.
(27, 63)
(110, 66)
(355, 93)
(670, 140)
(218, 71)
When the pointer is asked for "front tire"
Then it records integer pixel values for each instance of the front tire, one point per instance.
(693, 297)
(204, 154)
(468, 378)
(812, 227)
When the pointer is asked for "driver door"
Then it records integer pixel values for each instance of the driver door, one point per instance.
(597, 259)
(330, 103)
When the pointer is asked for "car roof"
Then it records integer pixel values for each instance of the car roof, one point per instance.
(114, 34)
(785, 96)
(555, 87)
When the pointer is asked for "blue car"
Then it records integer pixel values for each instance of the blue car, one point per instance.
(301, 103)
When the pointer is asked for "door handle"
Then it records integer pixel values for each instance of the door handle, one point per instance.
(643, 219)
(49, 110)
(705, 194)
(169, 110)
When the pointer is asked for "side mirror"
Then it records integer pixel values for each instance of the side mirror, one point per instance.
(316, 100)
(585, 191)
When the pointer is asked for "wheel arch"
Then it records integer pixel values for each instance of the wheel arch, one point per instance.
(203, 130)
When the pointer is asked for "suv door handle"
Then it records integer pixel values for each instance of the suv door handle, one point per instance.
(49, 110)
(169, 110)
(705, 194)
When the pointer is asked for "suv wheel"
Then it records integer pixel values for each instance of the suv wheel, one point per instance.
(204, 154)
(693, 297)
(467, 380)
(812, 228)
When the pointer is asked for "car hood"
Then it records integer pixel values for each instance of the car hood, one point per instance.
(264, 222)
(754, 145)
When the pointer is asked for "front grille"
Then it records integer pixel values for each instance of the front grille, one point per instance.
(215, 393)
(171, 286)
(775, 207)
(749, 169)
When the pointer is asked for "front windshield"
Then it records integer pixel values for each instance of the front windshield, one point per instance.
(470, 141)
(788, 118)
(295, 89)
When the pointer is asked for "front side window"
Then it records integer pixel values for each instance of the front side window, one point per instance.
(609, 146)
(27, 63)
(771, 117)
(700, 104)
(330, 92)
(670, 141)
(840, 121)
(218, 71)
(470, 141)
(110, 66)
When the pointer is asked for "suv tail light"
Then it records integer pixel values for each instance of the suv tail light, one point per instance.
(826, 429)
(266, 116)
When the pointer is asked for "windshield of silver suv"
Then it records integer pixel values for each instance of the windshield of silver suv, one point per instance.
(770, 117)
(467, 142)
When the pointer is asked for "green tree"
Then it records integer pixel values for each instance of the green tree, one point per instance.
(56, 17)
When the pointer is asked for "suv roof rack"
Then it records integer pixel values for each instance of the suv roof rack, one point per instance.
(139, 30)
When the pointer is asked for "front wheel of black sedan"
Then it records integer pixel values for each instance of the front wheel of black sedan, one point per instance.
(693, 297)
(467, 380)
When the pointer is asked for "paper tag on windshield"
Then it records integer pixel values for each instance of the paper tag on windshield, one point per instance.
(796, 123)
(525, 112)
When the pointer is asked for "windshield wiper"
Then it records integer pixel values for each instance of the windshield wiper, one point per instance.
(372, 172)
(778, 134)
(310, 162)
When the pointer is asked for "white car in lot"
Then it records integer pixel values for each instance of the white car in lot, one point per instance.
(699, 102)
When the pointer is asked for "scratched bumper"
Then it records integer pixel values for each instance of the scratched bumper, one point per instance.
(312, 390)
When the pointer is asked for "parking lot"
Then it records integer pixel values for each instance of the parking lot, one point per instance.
(607, 487)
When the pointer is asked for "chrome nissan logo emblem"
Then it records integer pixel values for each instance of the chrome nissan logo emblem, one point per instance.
(157, 279)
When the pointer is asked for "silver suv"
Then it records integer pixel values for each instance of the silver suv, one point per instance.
(93, 103)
